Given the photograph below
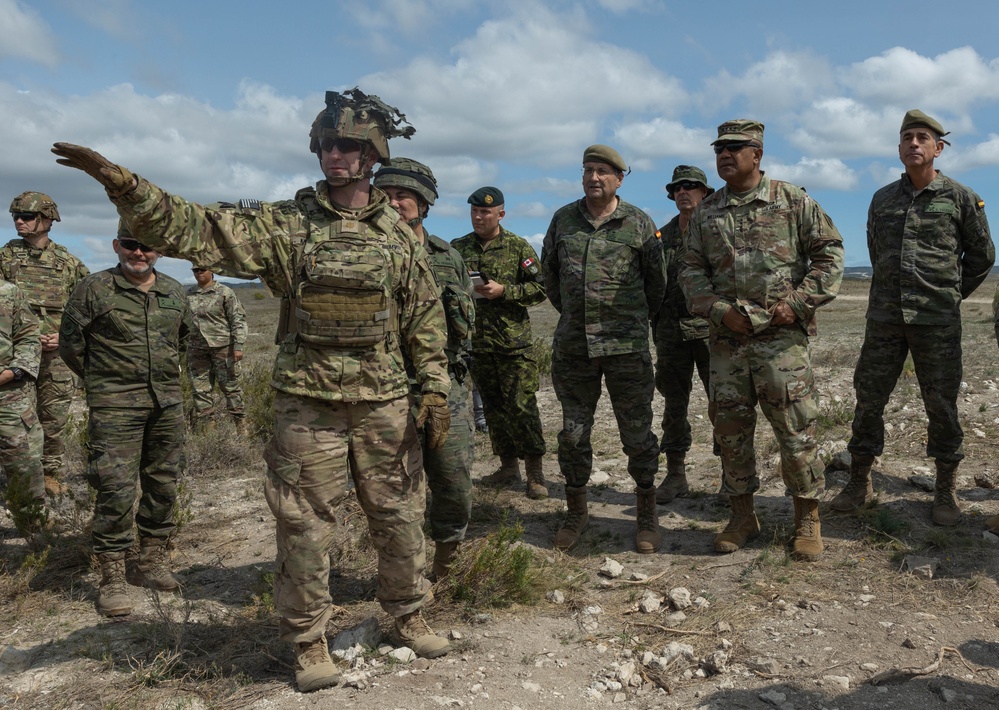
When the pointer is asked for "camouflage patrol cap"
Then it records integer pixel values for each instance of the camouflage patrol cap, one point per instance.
(915, 117)
(605, 154)
(486, 197)
(354, 114)
(410, 175)
(687, 173)
(37, 202)
(740, 129)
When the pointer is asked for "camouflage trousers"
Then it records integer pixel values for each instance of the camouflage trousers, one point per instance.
(317, 445)
(936, 354)
(131, 448)
(21, 454)
(774, 370)
(508, 383)
(55, 387)
(208, 367)
(676, 360)
(630, 383)
(449, 469)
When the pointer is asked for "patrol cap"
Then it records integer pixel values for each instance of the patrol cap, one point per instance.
(915, 117)
(486, 197)
(605, 154)
(687, 173)
(740, 129)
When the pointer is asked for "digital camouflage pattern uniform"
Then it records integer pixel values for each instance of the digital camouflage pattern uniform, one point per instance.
(46, 277)
(606, 282)
(449, 469)
(342, 405)
(503, 363)
(127, 344)
(20, 431)
(681, 347)
(750, 252)
(219, 329)
(930, 250)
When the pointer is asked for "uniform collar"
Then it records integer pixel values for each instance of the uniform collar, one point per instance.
(121, 280)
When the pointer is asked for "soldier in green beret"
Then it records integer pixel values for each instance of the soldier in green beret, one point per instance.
(930, 248)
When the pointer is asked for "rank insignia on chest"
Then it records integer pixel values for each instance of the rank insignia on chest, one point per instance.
(529, 265)
(170, 303)
(349, 226)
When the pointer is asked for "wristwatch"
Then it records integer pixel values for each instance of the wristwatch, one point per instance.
(18, 373)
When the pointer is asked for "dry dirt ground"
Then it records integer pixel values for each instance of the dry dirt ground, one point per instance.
(762, 631)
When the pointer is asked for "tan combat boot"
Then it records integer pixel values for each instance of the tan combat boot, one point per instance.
(314, 669)
(112, 593)
(575, 521)
(444, 554)
(858, 490)
(648, 536)
(536, 489)
(507, 474)
(946, 510)
(742, 527)
(675, 484)
(807, 544)
(413, 631)
(152, 569)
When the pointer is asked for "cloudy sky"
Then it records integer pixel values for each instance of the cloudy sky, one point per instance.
(213, 100)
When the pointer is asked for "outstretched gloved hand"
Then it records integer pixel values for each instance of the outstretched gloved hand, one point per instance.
(116, 180)
(434, 410)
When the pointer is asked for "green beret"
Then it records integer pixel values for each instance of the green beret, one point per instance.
(740, 129)
(605, 154)
(915, 117)
(688, 173)
(486, 197)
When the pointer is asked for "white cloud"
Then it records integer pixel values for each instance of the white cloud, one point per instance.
(815, 173)
(623, 6)
(778, 84)
(26, 35)
(644, 142)
(115, 17)
(847, 128)
(959, 159)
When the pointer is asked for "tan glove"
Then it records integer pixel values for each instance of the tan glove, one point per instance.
(116, 180)
(434, 410)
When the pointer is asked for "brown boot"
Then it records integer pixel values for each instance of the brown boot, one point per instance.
(742, 527)
(152, 569)
(648, 537)
(507, 474)
(675, 484)
(946, 510)
(413, 631)
(575, 521)
(112, 593)
(314, 669)
(858, 490)
(807, 544)
(444, 554)
(536, 489)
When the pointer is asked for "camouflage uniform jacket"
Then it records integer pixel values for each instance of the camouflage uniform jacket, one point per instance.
(929, 251)
(674, 322)
(503, 324)
(46, 276)
(606, 281)
(20, 345)
(125, 343)
(755, 250)
(219, 319)
(290, 245)
(456, 293)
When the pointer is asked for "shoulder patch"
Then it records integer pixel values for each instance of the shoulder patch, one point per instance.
(530, 266)
(249, 204)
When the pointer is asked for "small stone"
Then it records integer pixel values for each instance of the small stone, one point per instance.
(675, 649)
(620, 697)
(556, 596)
(990, 538)
(592, 694)
(867, 598)
(948, 695)
(677, 617)
(679, 597)
(717, 662)
(837, 682)
(366, 634)
(638, 577)
(531, 686)
(475, 689)
(647, 658)
(701, 603)
(726, 645)
(978, 433)
(985, 480)
(420, 664)
(455, 635)
(923, 567)
(869, 667)
(403, 654)
(613, 685)
(908, 643)
(482, 618)
(767, 666)
(598, 478)
(923, 482)
(773, 697)
(650, 602)
(354, 679)
(611, 568)
(723, 627)
(626, 672)
(384, 649)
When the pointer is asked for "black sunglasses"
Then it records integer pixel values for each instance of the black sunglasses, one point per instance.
(199, 271)
(687, 185)
(132, 245)
(733, 147)
(24, 216)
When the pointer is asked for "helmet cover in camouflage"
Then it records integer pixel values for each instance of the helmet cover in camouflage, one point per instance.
(37, 202)
(410, 175)
(687, 173)
(354, 114)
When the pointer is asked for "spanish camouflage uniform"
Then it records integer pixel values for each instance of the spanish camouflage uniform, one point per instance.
(127, 345)
(930, 250)
(449, 469)
(503, 363)
(606, 281)
(219, 330)
(681, 346)
(752, 252)
(46, 276)
(20, 431)
(342, 405)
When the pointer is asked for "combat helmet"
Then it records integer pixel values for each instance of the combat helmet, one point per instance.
(410, 175)
(37, 202)
(354, 114)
